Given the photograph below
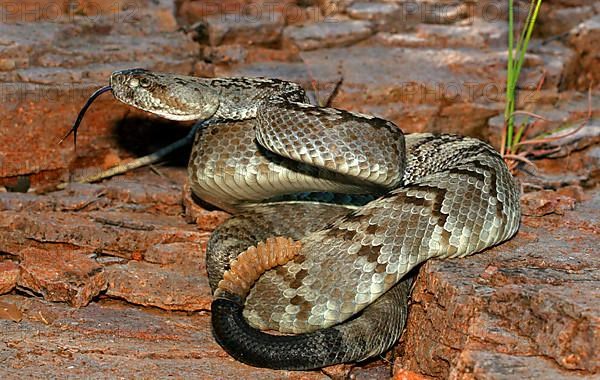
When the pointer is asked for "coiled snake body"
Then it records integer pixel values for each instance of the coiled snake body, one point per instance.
(344, 281)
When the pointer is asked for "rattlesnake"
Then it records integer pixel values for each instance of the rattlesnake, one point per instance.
(341, 279)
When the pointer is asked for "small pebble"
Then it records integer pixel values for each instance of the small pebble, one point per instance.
(7, 64)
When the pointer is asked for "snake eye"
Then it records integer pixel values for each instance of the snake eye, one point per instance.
(144, 82)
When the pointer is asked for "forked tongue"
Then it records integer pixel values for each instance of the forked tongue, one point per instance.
(87, 105)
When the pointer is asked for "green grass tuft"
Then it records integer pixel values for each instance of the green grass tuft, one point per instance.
(516, 57)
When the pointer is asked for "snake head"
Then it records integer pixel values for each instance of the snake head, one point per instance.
(172, 96)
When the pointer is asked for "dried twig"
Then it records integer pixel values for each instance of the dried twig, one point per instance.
(139, 162)
(572, 132)
(521, 158)
(527, 113)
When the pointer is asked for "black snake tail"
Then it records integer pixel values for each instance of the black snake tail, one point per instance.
(333, 345)
(252, 346)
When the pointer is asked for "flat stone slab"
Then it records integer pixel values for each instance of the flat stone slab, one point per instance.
(123, 234)
(372, 10)
(169, 287)
(65, 276)
(235, 28)
(584, 38)
(329, 33)
(111, 339)
(9, 273)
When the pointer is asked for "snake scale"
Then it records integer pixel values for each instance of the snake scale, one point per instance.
(335, 207)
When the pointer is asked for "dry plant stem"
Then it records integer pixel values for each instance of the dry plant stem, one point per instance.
(520, 158)
(510, 147)
(523, 128)
(558, 137)
(543, 152)
(511, 158)
(139, 162)
(314, 84)
(336, 90)
(527, 113)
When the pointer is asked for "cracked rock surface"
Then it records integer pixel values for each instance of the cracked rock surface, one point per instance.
(108, 280)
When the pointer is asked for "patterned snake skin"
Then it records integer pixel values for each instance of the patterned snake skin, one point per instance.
(346, 285)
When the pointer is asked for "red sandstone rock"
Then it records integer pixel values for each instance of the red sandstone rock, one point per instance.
(207, 220)
(169, 287)
(189, 255)
(9, 273)
(556, 19)
(115, 339)
(113, 233)
(382, 13)
(403, 374)
(584, 38)
(51, 67)
(61, 276)
(546, 202)
(326, 34)
(10, 311)
(525, 308)
(262, 28)
(338, 371)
